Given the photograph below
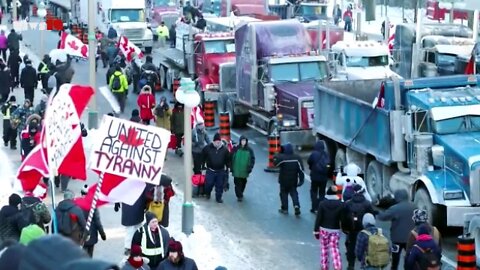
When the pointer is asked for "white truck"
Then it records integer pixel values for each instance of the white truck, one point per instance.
(361, 60)
(127, 18)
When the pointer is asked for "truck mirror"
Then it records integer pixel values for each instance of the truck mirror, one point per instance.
(438, 155)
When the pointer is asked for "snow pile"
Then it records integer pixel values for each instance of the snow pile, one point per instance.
(8, 183)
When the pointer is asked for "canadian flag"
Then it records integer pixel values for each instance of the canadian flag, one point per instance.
(379, 101)
(73, 46)
(73, 164)
(197, 116)
(128, 49)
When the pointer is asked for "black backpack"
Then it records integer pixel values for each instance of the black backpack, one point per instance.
(428, 259)
(116, 83)
(354, 216)
(64, 221)
(28, 213)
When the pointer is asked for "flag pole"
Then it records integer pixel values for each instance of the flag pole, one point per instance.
(52, 174)
(86, 234)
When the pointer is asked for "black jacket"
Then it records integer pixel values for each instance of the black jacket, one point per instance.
(109, 74)
(357, 206)
(216, 159)
(137, 240)
(28, 77)
(13, 63)
(400, 215)
(5, 82)
(291, 167)
(11, 223)
(13, 41)
(316, 160)
(329, 213)
(149, 66)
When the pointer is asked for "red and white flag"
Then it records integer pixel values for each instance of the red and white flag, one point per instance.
(197, 116)
(379, 101)
(128, 49)
(73, 46)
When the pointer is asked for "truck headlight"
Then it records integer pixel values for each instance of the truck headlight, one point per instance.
(289, 122)
(452, 194)
(211, 86)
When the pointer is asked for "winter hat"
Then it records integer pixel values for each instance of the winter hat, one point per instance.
(135, 251)
(332, 190)
(135, 112)
(30, 233)
(88, 264)
(175, 246)
(217, 137)
(11, 256)
(423, 229)
(420, 216)
(14, 199)
(84, 190)
(368, 219)
(12, 99)
(149, 216)
(38, 257)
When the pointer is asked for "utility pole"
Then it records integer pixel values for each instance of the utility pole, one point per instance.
(416, 49)
(452, 12)
(14, 10)
(92, 109)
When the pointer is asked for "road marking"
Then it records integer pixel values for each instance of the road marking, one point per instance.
(234, 133)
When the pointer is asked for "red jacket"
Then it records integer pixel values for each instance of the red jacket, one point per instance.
(146, 102)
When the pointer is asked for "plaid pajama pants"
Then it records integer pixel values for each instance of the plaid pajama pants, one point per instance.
(329, 245)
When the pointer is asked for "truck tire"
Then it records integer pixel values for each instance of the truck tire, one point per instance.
(423, 201)
(222, 103)
(231, 113)
(474, 230)
(374, 181)
(340, 158)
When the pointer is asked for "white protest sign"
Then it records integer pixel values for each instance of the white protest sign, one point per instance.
(129, 149)
(61, 117)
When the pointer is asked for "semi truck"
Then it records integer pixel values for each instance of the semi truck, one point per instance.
(162, 11)
(60, 9)
(418, 135)
(275, 73)
(127, 18)
(253, 8)
(304, 11)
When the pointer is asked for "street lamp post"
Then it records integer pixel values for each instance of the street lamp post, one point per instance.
(190, 98)
(41, 13)
(92, 109)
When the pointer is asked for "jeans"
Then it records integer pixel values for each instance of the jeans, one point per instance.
(348, 26)
(317, 193)
(240, 184)
(284, 192)
(120, 96)
(215, 179)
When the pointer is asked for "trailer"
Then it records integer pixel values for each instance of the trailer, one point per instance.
(418, 135)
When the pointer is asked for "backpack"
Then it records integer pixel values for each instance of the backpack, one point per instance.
(428, 260)
(354, 218)
(64, 221)
(378, 252)
(30, 213)
(116, 83)
(322, 164)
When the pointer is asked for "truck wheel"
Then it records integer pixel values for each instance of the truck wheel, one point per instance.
(340, 158)
(374, 180)
(474, 230)
(422, 201)
(231, 112)
(222, 103)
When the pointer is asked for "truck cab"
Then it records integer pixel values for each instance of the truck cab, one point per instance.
(163, 11)
(361, 60)
(311, 11)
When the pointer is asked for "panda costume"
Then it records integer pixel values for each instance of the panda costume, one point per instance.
(348, 179)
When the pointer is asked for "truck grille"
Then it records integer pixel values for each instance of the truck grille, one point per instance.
(227, 77)
(134, 33)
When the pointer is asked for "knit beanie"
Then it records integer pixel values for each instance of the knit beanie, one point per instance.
(30, 233)
(221, 268)
(419, 216)
(149, 216)
(14, 200)
(10, 258)
(217, 137)
(368, 219)
(135, 251)
(175, 246)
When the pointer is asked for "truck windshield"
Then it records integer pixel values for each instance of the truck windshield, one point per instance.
(311, 10)
(363, 61)
(220, 46)
(444, 59)
(127, 15)
(163, 3)
(294, 72)
(467, 123)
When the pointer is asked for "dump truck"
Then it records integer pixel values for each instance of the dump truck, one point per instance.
(418, 135)
(275, 71)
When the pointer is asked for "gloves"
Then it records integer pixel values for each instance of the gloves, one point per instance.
(317, 235)
(103, 235)
(117, 207)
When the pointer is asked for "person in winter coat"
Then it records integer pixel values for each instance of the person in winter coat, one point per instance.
(13, 63)
(112, 52)
(177, 127)
(355, 209)
(243, 160)
(135, 261)
(176, 259)
(217, 161)
(29, 80)
(400, 215)
(133, 217)
(5, 82)
(63, 73)
(96, 228)
(425, 243)
(153, 239)
(112, 33)
(420, 218)
(40, 212)
(162, 114)
(20, 116)
(290, 177)
(361, 246)
(146, 103)
(135, 117)
(43, 70)
(30, 137)
(9, 133)
(200, 139)
(348, 18)
(135, 73)
(13, 40)
(118, 84)
(327, 228)
(166, 192)
(70, 218)
(3, 45)
(319, 165)
(11, 221)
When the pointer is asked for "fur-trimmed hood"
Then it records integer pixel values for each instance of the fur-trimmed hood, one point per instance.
(146, 88)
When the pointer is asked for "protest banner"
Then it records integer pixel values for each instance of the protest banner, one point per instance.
(130, 150)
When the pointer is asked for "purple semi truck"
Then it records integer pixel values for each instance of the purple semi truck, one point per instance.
(274, 79)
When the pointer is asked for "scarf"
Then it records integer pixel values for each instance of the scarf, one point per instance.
(135, 264)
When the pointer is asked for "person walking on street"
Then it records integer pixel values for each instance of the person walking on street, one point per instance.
(3, 45)
(243, 160)
(400, 215)
(337, 14)
(13, 41)
(13, 63)
(420, 218)
(176, 259)
(96, 228)
(38, 212)
(135, 117)
(29, 80)
(43, 70)
(327, 228)
(163, 34)
(20, 115)
(200, 140)
(9, 132)
(119, 86)
(319, 165)
(217, 161)
(348, 18)
(11, 223)
(177, 127)
(135, 261)
(372, 248)
(146, 103)
(111, 52)
(153, 239)
(290, 177)
(162, 114)
(5, 82)
(425, 253)
(70, 218)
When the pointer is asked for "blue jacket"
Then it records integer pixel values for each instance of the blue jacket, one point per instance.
(134, 214)
(425, 242)
(361, 246)
(319, 156)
